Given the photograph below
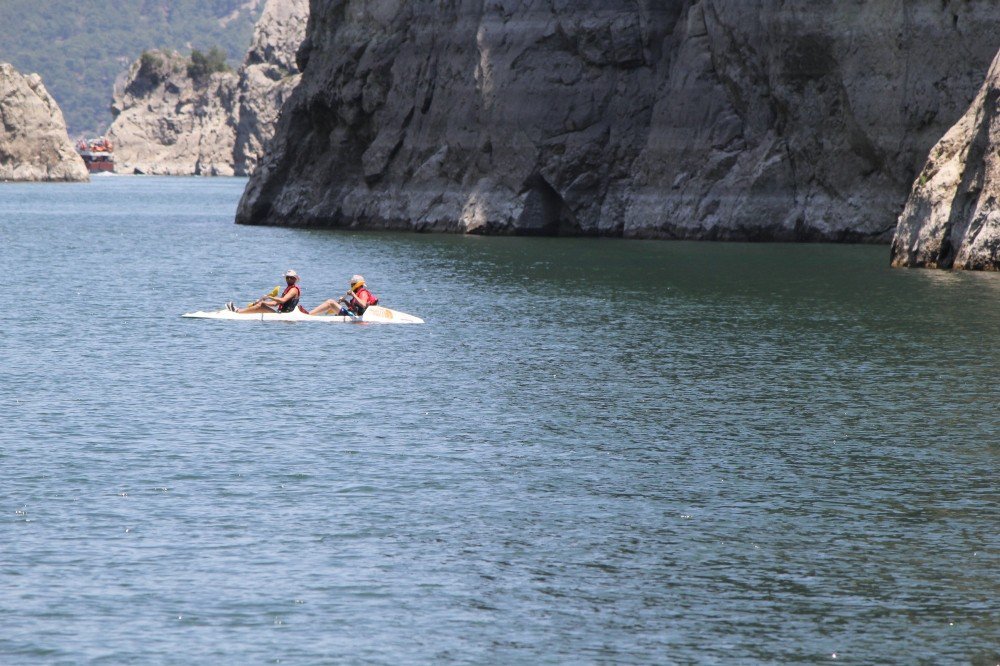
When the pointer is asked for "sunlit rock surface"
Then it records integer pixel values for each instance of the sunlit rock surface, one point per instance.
(34, 145)
(268, 76)
(952, 218)
(711, 119)
(167, 122)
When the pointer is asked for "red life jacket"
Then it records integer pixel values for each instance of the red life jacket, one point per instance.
(355, 304)
(289, 305)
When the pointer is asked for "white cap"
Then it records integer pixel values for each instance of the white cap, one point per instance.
(292, 274)
(355, 279)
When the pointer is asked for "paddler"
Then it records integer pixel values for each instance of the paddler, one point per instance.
(285, 303)
(355, 301)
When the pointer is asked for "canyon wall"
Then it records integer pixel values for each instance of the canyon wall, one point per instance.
(708, 119)
(34, 144)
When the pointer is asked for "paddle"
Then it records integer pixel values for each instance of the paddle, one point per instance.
(270, 294)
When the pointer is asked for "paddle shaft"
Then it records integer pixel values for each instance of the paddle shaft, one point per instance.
(270, 294)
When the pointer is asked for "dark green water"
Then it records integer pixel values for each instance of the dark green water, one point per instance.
(594, 451)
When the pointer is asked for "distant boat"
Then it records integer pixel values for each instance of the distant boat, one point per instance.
(97, 154)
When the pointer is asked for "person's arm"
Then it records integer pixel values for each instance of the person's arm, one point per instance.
(281, 300)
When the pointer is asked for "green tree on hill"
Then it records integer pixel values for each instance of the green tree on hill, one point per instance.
(151, 66)
(203, 65)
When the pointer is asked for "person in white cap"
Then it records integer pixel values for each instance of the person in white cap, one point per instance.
(355, 301)
(285, 303)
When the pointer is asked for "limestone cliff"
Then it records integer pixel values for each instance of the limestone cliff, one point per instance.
(715, 119)
(952, 218)
(169, 121)
(34, 144)
(268, 76)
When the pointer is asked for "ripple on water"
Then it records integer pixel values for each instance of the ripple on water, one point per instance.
(594, 451)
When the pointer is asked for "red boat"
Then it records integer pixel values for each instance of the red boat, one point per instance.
(97, 154)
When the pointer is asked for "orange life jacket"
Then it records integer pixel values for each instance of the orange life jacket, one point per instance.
(355, 305)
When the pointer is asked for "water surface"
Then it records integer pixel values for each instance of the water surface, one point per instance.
(594, 451)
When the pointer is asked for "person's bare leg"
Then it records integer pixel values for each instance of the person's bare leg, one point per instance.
(325, 307)
(254, 309)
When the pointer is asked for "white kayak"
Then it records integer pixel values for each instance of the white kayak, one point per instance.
(376, 314)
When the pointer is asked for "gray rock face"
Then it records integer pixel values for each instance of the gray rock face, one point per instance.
(168, 123)
(952, 218)
(710, 119)
(34, 144)
(268, 76)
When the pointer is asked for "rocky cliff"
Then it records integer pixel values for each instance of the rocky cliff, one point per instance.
(34, 144)
(171, 119)
(714, 119)
(952, 218)
(168, 122)
(268, 76)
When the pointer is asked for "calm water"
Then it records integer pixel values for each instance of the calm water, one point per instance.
(595, 451)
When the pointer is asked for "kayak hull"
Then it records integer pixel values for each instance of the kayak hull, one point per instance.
(373, 315)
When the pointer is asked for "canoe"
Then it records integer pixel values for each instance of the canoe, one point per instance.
(376, 314)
